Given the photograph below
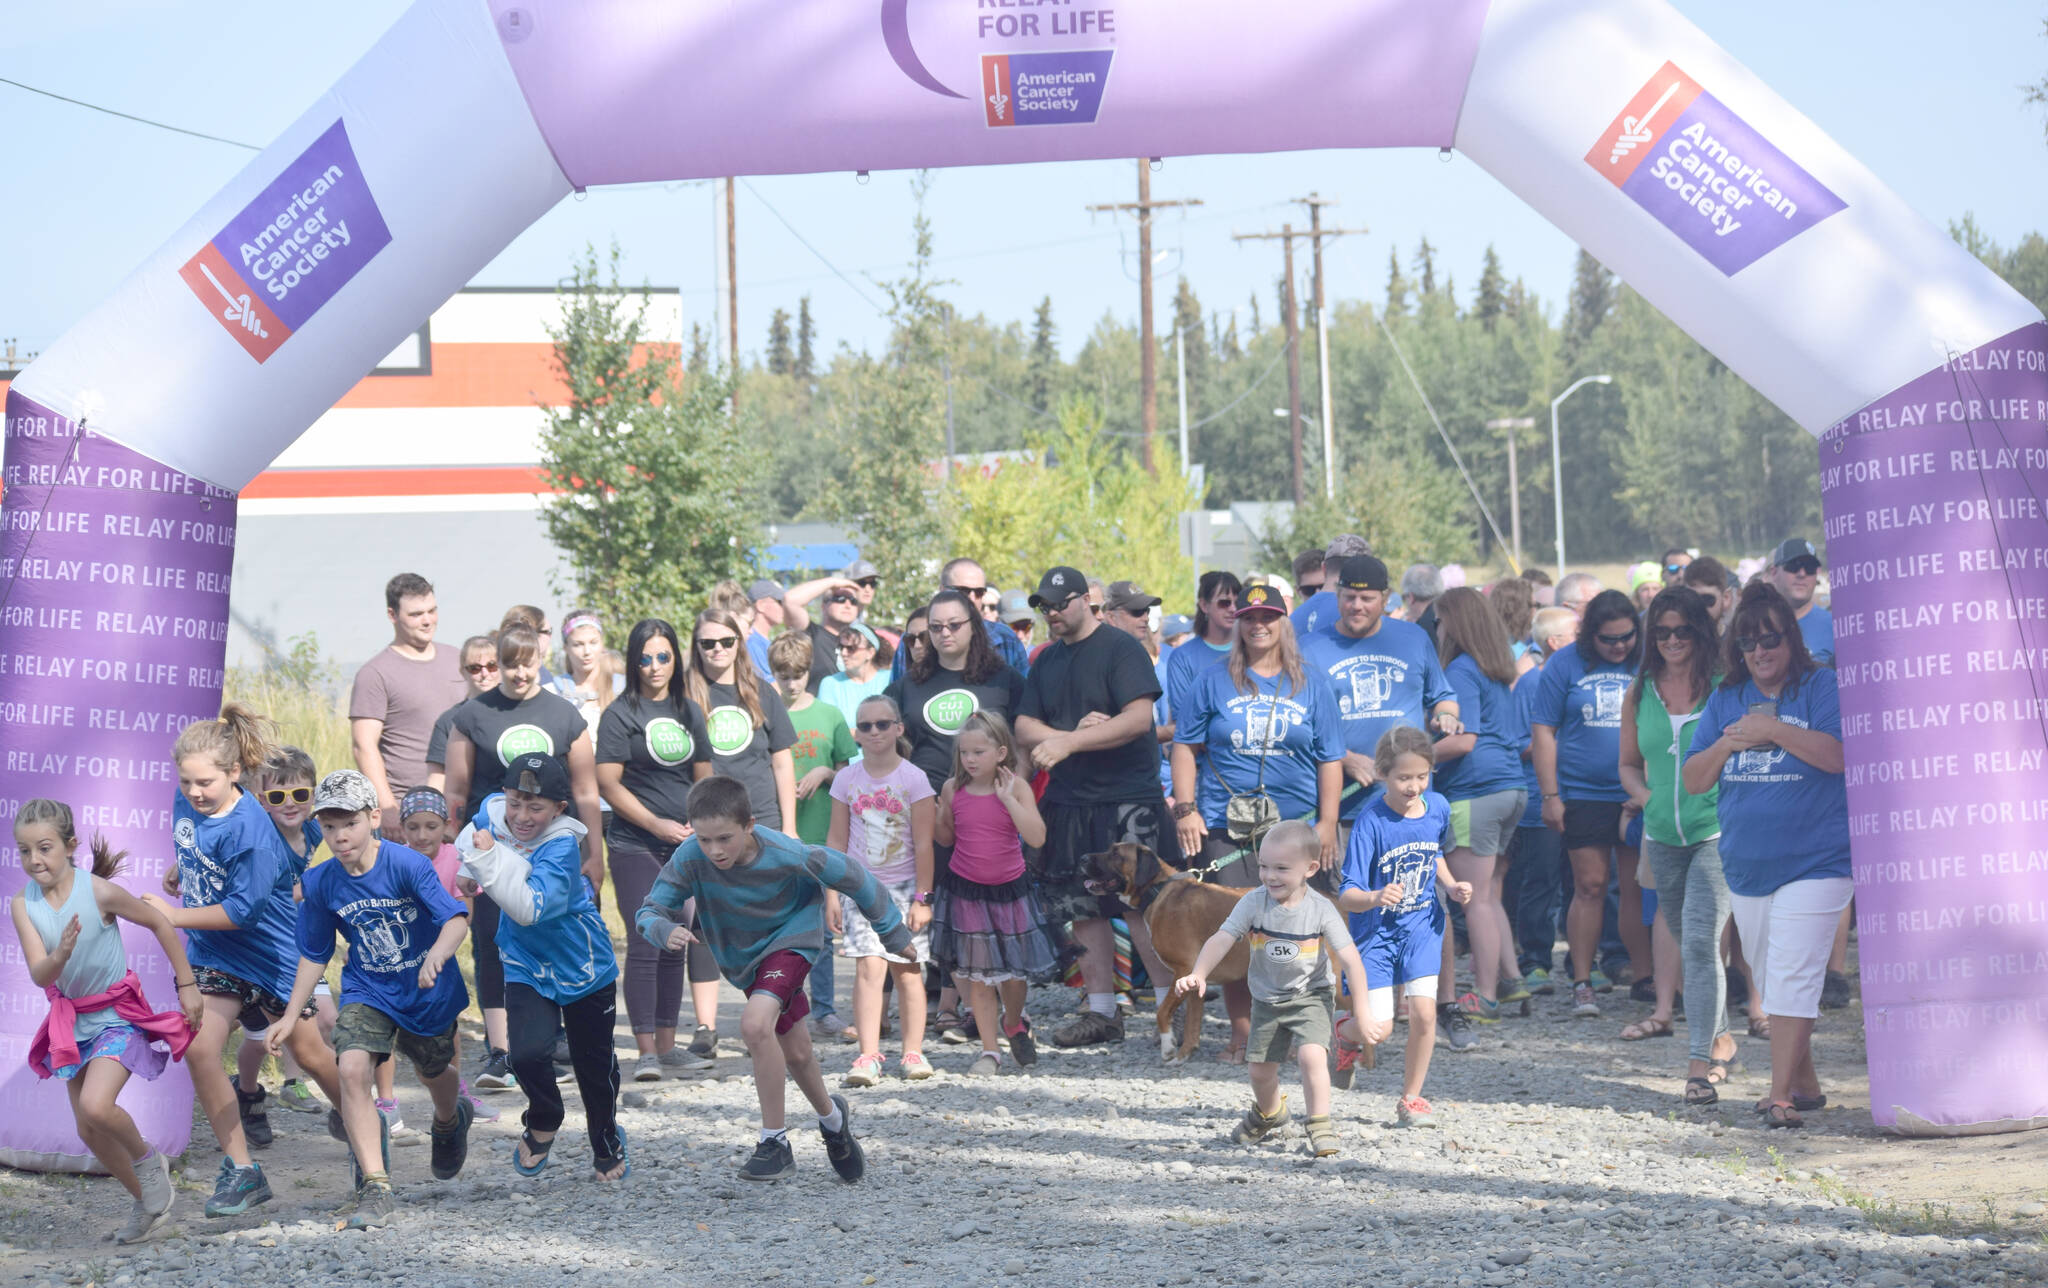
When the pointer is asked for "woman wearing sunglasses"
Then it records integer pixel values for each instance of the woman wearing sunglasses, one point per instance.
(1771, 738)
(651, 746)
(745, 721)
(1575, 744)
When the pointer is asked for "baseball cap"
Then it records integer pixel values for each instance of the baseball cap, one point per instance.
(538, 774)
(345, 791)
(1125, 595)
(765, 589)
(1058, 586)
(1260, 599)
(1360, 572)
(858, 569)
(1792, 548)
(1642, 574)
(1014, 606)
(1176, 624)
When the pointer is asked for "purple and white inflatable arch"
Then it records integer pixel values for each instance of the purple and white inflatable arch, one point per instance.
(1922, 376)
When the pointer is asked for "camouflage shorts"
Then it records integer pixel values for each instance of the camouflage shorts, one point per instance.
(365, 1028)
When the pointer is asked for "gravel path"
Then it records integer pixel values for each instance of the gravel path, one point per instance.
(1562, 1158)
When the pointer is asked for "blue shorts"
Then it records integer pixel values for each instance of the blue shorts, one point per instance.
(1411, 948)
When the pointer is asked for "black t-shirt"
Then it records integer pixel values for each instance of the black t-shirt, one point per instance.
(934, 710)
(657, 743)
(824, 653)
(437, 741)
(503, 730)
(1105, 672)
(740, 748)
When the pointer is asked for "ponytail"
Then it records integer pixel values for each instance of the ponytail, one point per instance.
(106, 860)
(56, 815)
(241, 740)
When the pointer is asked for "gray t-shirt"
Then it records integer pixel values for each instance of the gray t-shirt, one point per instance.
(1288, 948)
(407, 695)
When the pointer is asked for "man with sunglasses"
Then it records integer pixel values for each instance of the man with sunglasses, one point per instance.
(841, 608)
(966, 576)
(866, 579)
(1320, 609)
(1674, 563)
(1795, 571)
(397, 694)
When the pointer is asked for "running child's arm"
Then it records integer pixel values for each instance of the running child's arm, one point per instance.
(252, 875)
(666, 910)
(1338, 943)
(1459, 890)
(309, 974)
(117, 902)
(1235, 927)
(942, 826)
(553, 879)
(1015, 794)
(43, 968)
(583, 786)
(836, 872)
(445, 944)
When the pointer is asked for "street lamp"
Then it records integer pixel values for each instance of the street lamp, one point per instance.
(1556, 459)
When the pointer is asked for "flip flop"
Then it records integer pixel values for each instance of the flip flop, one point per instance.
(1646, 1029)
(1778, 1115)
(539, 1149)
(1760, 1026)
(1699, 1093)
(622, 1158)
(1804, 1104)
(1719, 1071)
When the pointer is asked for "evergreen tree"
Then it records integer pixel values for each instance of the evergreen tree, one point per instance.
(1224, 339)
(1044, 359)
(1397, 288)
(805, 367)
(780, 360)
(1592, 300)
(1187, 320)
(1492, 299)
(1256, 325)
(700, 351)
(1425, 267)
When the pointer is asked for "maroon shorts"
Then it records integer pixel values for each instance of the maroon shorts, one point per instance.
(782, 974)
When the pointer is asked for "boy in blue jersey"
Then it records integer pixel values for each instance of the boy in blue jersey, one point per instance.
(525, 852)
(1392, 872)
(397, 994)
(759, 898)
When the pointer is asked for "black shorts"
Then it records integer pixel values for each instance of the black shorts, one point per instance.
(1592, 825)
(260, 1006)
(1073, 832)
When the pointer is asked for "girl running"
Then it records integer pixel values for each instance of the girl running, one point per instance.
(100, 1029)
(988, 930)
(883, 814)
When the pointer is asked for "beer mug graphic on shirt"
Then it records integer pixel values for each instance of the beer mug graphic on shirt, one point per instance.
(1605, 708)
(1372, 686)
(384, 940)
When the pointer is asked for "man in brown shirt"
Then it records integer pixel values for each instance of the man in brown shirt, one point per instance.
(399, 693)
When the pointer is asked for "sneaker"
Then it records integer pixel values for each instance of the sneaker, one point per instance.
(986, 1065)
(866, 1072)
(296, 1096)
(1343, 1065)
(683, 1060)
(1125, 1005)
(1401, 1009)
(848, 1159)
(400, 1133)
(1478, 1008)
(771, 1161)
(1834, 991)
(1514, 990)
(916, 1067)
(355, 1171)
(478, 1110)
(237, 1189)
(1322, 1137)
(1454, 1028)
(958, 1030)
(451, 1142)
(1598, 979)
(375, 1205)
(1255, 1126)
(705, 1043)
(497, 1073)
(1538, 982)
(255, 1122)
(153, 1209)
(1583, 1001)
(141, 1223)
(1643, 990)
(647, 1068)
(1023, 1047)
(564, 1073)
(1414, 1111)
(1089, 1028)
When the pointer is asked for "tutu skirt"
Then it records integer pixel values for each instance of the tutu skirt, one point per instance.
(992, 933)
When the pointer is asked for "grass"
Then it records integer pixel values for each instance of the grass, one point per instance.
(1886, 1214)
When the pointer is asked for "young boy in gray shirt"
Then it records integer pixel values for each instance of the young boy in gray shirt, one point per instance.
(1292, 932)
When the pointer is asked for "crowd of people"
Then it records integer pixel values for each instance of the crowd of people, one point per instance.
(1387, 770)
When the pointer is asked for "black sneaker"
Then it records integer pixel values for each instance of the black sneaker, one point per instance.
(497, 1073)
(845, 1152)
(1834, 991)
(255, 1122)
(237, 1189)
(375, 1205)
(451, 1142)
(772, 1160)
(705, 1043)
(1024, 1047)
(1089, 1028)
(1454, 1026)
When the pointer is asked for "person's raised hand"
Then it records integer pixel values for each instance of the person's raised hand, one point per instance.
(680, 938)
(481, 840)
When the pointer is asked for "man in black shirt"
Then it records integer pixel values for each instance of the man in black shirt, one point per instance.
(1086, 718)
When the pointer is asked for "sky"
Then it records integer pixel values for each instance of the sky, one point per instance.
(1929, 97)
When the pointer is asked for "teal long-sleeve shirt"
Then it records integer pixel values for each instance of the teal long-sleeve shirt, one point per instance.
(774, 902)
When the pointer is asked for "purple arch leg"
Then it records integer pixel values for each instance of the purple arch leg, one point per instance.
(114, 607)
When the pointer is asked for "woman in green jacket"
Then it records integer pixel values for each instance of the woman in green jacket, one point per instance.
(1680, 831)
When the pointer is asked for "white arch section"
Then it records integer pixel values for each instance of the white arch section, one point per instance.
(1617, 119)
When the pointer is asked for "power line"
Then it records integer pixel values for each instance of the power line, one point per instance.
(814, 250)
(130, 116)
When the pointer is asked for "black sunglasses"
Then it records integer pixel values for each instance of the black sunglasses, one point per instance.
(1751, 643)
(662, 658)
(296, 795)
(874, 726)
(841, 597)
(1618, 641)
(1658, 634)
(1808, 567)
(972, 592)
(869, 582)
(723, 641)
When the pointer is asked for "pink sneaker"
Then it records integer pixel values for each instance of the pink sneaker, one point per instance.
(483, 1113)
(866, 1072)
(1414, 1111)
(916, 1067)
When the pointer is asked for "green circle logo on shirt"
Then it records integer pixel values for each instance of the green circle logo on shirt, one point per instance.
(523, 740)
(730, 729)
(669, 742)
(947, 712)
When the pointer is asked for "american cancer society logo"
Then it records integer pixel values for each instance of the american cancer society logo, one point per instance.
(291, 249)
(1053, 88)
(1704, 173)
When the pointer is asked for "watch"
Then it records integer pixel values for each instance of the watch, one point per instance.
(923, 896)
(1182, 809)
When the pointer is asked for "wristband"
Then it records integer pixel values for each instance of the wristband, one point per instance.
(1551, 796)
(188, 983)
(923, 896)
(1182, 809)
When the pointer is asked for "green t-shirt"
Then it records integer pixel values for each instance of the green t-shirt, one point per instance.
(822, 738)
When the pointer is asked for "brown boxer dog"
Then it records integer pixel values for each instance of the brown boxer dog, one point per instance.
(1181, 912)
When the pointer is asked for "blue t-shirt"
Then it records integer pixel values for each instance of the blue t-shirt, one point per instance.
(1385, 848)
(1524, 708)
(310, 833)
(757, 649)
(1781, 819)
(1487, 709)
(1292, 733)
(1181, 668)
(1162, 715)
(390, 916)
(1817, 628)
(1314, 613)
(238, 861)
(1583, 705)
(1390, 677)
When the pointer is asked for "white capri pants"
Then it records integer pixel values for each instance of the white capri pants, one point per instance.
(1787, 935)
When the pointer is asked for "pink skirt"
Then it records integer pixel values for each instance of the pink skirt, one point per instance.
(993, 933)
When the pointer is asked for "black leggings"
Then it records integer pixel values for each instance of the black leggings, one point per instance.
(483, 949)
(532, 1022)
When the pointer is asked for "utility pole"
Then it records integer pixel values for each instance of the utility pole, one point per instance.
(1286, 237)
(732, 290)
(1512, 424)
(1314, 236)
(1148, 415)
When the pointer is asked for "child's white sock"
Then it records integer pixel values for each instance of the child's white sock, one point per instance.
(1102, 1003)
(832, 1121)
(779, 1132)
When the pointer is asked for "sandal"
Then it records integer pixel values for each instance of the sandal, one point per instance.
(1646, 1028)
(1780, 1115)
(1804, 1104)
(1719, 1071)
(622, 1162)
(1230, 1055)
(538, 1148)
(1760, 1026)
(1699, 1092)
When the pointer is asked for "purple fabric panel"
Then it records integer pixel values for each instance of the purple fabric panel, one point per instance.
(113, 633)
(797, 86)
(1937, 543)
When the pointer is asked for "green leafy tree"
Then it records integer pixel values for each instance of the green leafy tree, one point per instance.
(649, 469)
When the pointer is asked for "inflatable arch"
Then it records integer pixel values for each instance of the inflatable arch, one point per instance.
(1922, 376)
